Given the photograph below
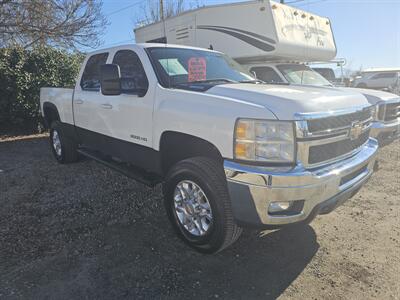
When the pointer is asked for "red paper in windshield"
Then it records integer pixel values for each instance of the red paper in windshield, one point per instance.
(197, 68)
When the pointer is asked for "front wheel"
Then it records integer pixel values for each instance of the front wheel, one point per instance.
(64, 149)
(198, 205)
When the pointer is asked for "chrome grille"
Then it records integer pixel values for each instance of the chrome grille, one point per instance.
(327, 137)
(329, 151)
(334, 122)
(392, 111)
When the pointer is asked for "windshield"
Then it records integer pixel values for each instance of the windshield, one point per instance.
(178, 66)
(301, 74)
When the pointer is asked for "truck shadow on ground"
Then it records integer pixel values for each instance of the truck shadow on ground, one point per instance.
(83, 231)
(255, 267)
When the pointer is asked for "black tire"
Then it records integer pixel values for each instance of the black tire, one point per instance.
(209, 176)
(68, 153)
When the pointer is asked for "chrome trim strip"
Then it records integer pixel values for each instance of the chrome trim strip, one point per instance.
(332, 113)
(324, 137)
(302, 129)
(391, 101)
(385, 127)
(303, 149)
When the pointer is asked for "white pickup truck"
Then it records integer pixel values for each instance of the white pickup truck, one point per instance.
(230, 151)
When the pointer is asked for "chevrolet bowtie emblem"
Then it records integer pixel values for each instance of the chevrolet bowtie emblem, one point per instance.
(356, 130)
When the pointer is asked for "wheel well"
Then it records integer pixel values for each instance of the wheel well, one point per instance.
(176, 146)
(50, 113)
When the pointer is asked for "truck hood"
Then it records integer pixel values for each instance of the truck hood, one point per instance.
(373, 96)
(286, 100)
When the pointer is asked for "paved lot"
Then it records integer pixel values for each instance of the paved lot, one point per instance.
(83, 231)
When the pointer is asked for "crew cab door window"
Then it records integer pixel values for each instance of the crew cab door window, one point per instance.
(90, 80)
(266, 74)
(133, 77)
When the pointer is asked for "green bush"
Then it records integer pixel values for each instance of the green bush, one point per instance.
(24, 72)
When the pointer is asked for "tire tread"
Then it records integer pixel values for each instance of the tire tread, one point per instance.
(212, 170)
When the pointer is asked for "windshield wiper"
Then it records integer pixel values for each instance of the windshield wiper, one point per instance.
(252, 81)
(277, 82)
(212, 80)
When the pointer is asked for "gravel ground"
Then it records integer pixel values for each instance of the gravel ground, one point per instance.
(83, 231)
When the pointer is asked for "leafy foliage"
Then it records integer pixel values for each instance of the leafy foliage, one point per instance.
(24, 72)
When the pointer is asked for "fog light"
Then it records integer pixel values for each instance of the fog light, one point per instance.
(276, 207)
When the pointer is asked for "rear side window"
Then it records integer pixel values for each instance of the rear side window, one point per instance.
(133, 77)
(267, 74)
(91, 75)
(384, 75)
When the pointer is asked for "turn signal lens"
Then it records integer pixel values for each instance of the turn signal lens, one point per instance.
(244, 130)
(244, 150)
(267, 141)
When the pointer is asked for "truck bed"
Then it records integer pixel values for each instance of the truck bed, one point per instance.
(61, 98)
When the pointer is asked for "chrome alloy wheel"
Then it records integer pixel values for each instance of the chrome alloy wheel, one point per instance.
(56, 143)
(192, 208)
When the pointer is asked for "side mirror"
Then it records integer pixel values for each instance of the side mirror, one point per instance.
(110, 79)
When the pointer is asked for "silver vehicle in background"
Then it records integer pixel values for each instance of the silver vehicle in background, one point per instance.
(376, 78)
(395, 87)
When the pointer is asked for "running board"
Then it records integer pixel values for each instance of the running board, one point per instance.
(129, 171)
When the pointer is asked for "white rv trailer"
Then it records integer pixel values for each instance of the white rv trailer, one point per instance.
(249, 32)
(269, 39)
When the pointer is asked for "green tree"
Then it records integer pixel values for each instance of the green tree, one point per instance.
(22, 74)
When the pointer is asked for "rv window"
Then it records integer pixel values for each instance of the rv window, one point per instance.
(267, 74)
(301, 74)
(176, 66)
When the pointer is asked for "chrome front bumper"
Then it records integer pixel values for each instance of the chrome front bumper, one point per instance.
(253, 188)
(385, 132)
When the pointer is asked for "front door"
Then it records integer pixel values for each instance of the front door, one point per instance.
(129, 116)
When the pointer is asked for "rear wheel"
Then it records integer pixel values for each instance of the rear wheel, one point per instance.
(64, 149)
(198, 205)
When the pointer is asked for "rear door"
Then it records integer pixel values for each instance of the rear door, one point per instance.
(87, 104)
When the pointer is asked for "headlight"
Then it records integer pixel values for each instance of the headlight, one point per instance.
(378, 112)
(266, 141)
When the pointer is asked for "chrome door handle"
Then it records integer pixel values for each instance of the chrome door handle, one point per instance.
(106, 106)
(78, 101)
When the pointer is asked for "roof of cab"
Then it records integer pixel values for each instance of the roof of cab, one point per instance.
(148, 45)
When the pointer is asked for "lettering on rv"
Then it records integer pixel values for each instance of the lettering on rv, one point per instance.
(307, 31)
